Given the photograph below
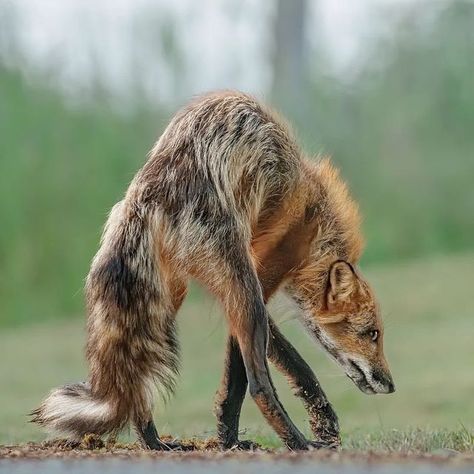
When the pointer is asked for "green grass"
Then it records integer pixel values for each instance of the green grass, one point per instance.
(412, 440)
(429, 344)
(408, 440)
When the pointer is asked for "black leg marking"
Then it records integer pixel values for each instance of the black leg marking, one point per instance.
(230, 397)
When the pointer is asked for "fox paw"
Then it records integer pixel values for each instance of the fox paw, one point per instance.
(244, 445)
(323, 444)
(167, 446)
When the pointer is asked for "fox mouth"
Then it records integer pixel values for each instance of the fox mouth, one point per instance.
(366, 383)
(357, 375)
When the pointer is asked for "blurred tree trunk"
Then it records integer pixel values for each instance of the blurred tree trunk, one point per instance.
(290, 57)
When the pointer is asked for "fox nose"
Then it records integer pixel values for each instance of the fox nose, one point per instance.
(384, 379)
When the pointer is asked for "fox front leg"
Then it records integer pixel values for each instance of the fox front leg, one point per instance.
(322, 418)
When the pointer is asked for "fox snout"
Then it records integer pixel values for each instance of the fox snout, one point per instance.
(383, 380)
(368, 379)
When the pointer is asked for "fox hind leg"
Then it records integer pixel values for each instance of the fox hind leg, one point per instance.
(144, 425)
(133, 297)
(230, 398)
(149, 438)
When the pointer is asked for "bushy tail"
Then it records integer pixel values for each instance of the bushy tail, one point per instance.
(73, 411)
(131, 344)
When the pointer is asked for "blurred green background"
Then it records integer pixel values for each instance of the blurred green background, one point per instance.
(386, 88)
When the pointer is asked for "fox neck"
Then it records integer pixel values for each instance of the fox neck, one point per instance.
(336, 213)
(335, 236)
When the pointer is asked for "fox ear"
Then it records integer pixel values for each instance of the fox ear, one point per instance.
(342, 283)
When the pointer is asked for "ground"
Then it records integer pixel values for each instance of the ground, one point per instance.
(427, 307)
(92, 456)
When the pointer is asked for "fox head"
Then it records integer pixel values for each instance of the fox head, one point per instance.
(345, 320)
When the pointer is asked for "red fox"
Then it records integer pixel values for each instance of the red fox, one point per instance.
(226, 197)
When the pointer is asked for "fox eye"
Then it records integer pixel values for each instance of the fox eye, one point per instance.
(374, 335)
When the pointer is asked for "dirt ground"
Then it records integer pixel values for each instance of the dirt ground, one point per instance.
(196, 449)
